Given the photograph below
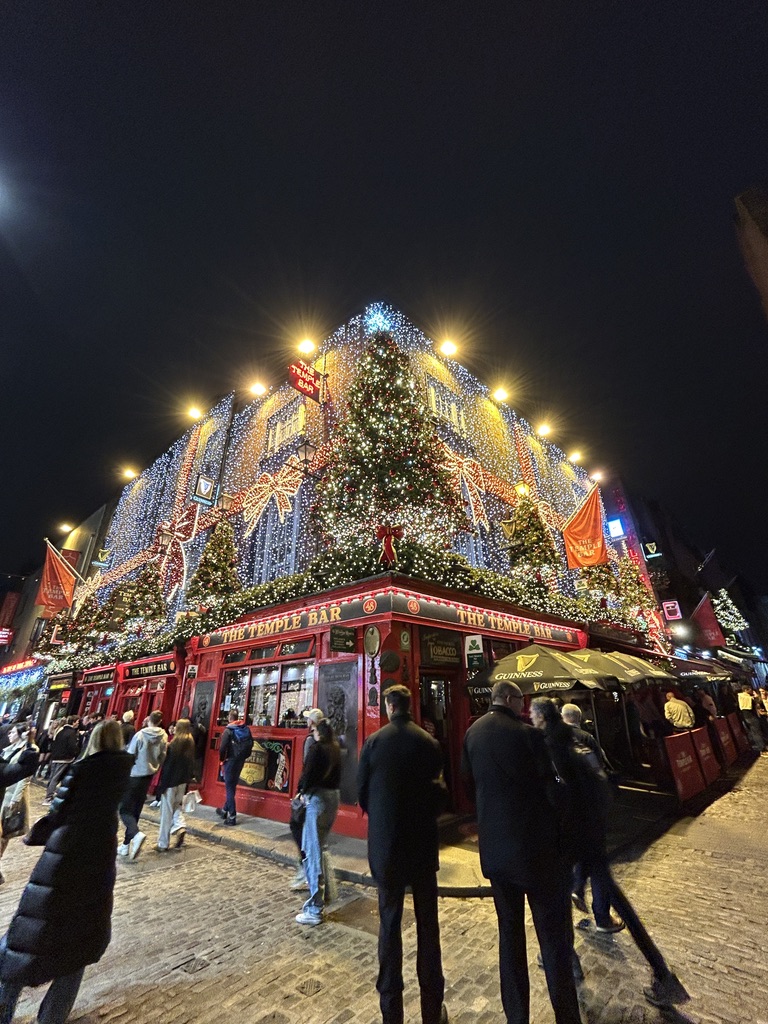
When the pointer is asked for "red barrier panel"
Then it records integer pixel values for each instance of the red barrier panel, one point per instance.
(726, 741)
(739, 732)
(710, 769)
(684, 764)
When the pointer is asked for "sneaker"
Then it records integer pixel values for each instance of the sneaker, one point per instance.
(311, 919)
(221, 812)
(667, 991)
(613, 925)
(162, 849)
(180, 836)
(155, 803)
(579, 903)
(135, 845)
(122, 850)
(230, 821)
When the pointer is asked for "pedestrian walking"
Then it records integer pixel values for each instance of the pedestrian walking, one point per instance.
(587, 820)
(14, 806)
(400, 788)
(319, 785)
(177, 772)
(506, 767)
(63, 921)
(234, 751)
(148, 748)
(298, 807)
(748, 712)
(65, 747)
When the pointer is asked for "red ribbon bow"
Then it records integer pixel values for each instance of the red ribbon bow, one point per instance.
(388, 535)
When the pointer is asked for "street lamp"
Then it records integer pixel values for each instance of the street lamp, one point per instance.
(522, 489)
(500, 395)
(307, 347)
(544, 430)
(575, 457)
(305, 453)
(258, 389)
(66, 528)
(194, 413)
(448, 348)
(130, 474)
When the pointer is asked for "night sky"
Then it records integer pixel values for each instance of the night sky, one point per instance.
(186, 189)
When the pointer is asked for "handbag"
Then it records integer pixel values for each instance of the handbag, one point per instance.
(298, 809)
(14, 821)
(190, 801)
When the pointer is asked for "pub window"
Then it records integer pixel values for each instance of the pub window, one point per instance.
(234, 694)
(285, 425)
(235, 656)
(296, 688)
(446, 405)
(262, 706)
(269, 693)
(260, 653)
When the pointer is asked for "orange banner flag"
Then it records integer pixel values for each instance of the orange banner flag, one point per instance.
(710, 633)
(57, 583)
(583, 534)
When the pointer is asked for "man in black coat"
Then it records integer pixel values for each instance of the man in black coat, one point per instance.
(506, 766)
(65, 747)
(401, 790)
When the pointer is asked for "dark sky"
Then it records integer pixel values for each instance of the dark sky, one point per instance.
(185, 188)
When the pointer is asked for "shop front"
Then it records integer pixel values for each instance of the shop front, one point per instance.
(96, 689)
(340, 652)
(151, 684)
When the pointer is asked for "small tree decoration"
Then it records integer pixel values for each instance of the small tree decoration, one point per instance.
(728, 615)
(530, 541)
(143, 598)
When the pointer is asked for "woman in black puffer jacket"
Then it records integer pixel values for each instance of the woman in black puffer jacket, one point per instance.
(69, 893)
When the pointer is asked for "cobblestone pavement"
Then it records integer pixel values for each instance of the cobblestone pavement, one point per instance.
(207, 934)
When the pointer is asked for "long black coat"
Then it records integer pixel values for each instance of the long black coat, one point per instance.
(63, 920)
(506, 764)
(400, 787)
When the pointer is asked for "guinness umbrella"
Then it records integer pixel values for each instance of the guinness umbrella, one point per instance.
(538, 669)
(648, 670)
(606, 665)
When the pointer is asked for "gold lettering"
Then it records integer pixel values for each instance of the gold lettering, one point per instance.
(323, 616)
(462, 616)
(335, 613)
(295, 621)
(311, 618)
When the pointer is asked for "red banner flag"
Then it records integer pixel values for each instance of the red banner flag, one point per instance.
(57, 584)
(707, 624)
(583, 534)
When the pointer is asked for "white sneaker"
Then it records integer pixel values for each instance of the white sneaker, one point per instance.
(135, 845)
(311, 919)
(122, 850)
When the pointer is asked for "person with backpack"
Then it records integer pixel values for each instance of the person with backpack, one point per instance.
(234, 751)
(148, 748)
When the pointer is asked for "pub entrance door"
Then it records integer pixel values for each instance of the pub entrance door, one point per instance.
(435, 698)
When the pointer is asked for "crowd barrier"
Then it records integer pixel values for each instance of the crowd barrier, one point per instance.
(694, 763)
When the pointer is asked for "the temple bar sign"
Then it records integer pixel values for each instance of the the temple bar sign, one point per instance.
(306, 380)
(165, 667)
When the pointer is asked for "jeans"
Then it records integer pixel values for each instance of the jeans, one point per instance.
(322, 807)
(171, 817)
(594, 865)
(132, 803)
(57, 1003)
(551, 912)
(231, 772)
(429, 967)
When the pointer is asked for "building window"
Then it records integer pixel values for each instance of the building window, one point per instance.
(286, 424)
(446, 406)
(272, 694)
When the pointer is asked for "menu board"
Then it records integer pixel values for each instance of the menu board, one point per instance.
(337, 689)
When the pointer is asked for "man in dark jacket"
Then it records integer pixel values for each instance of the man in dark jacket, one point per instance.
(234, 751)
(65, 747)
(401, 790)
(506, 766)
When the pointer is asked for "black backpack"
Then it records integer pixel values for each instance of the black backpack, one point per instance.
(240, 749)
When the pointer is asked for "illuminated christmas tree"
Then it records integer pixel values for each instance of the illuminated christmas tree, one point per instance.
(216, 575)
(634, 592)
(143, 598)
(728, 615)
(600, 579)
(386, 480)
(531, 543)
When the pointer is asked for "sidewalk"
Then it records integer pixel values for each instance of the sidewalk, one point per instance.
(638, 817)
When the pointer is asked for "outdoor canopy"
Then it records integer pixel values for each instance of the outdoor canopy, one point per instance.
(538, 669)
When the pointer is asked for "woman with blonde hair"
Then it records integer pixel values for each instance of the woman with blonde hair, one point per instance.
(177, 772)
(73, 880)
(15, 803)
